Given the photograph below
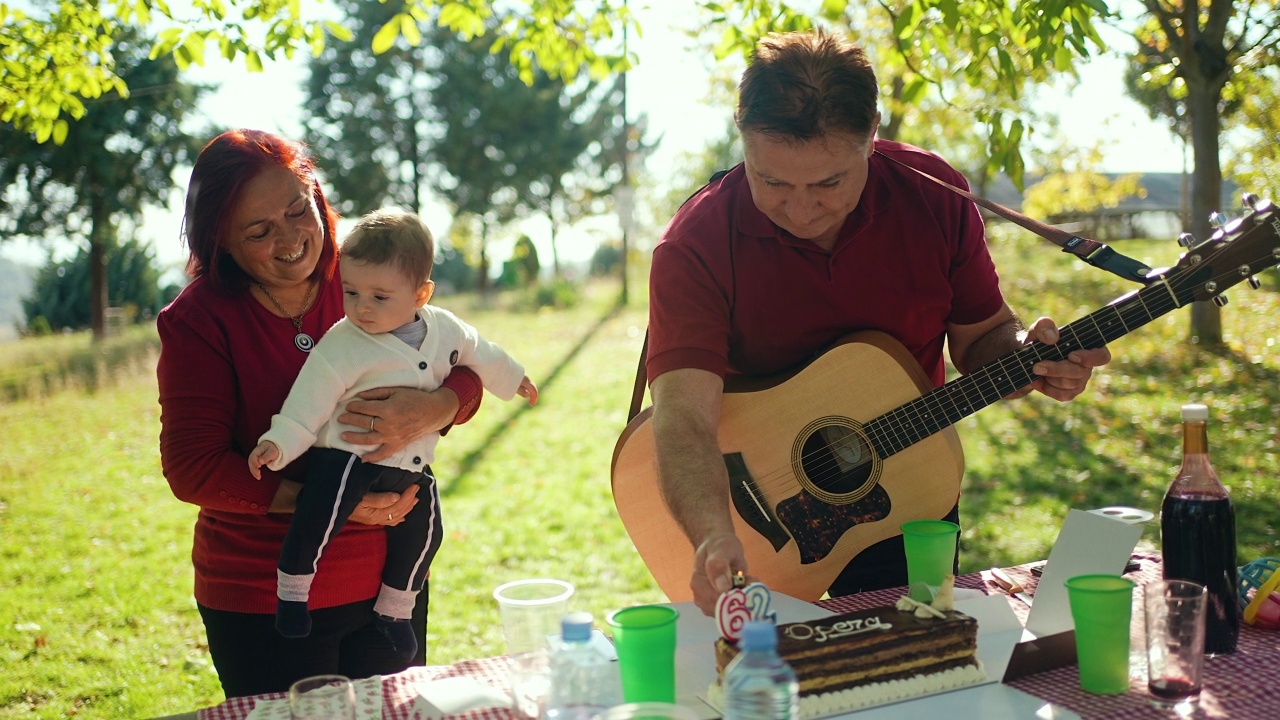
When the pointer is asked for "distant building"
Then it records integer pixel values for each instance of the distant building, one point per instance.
(1158, 215)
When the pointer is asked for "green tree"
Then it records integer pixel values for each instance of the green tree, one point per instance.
(364, 114)
(1257, 163)
(979, 55)
(1193, 63)
(60, 293)
(993, 45)
(58, 58)
(525, 256)
(481, 153)
(117, 159)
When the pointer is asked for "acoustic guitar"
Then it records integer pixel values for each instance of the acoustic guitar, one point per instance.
(830, 459)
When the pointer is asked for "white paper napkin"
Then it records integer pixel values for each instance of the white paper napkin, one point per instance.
(368, 703)
(453, 695)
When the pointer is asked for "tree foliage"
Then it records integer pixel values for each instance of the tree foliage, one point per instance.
(118, 158)
(60, 294)
(1073, 191)
(366, 114)
(993, 47)
(54, 62)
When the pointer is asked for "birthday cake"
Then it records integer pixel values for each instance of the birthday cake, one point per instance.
(871, 657)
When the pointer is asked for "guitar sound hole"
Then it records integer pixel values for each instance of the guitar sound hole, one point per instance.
(836, 459)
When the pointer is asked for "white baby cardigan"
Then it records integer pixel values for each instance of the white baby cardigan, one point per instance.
(348, 361)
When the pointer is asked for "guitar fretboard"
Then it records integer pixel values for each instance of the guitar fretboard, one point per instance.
(944, 406)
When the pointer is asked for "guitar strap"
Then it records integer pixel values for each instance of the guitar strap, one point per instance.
(637, 392)
(1090, 251)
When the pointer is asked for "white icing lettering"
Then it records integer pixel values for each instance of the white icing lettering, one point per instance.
(844, 628)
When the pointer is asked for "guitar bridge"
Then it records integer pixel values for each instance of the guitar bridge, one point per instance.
(751, 505)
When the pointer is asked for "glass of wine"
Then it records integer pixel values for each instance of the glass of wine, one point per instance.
(1175, 623)
(323, 697)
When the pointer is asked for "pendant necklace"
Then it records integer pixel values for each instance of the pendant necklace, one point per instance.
(302, 340)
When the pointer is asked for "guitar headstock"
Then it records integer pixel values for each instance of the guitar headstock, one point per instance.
(1238, 250)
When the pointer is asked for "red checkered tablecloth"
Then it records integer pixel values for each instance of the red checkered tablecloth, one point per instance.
(1243, 685)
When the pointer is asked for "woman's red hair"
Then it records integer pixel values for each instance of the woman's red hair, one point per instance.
(221, 171)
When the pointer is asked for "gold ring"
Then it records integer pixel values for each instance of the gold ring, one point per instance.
(388, 517)
(372, 420)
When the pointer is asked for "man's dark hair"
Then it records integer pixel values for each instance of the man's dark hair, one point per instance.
(804, 85)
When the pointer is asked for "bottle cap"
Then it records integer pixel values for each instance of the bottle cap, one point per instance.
(576, 626)
(759, 635)
(1195, 412)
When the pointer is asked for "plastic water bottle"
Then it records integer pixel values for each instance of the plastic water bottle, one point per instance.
(584, 682)
(758, 684)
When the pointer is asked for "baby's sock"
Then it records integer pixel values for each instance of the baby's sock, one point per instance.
(400, 633)
(292, 618)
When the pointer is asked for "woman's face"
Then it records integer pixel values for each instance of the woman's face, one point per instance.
(274, 233)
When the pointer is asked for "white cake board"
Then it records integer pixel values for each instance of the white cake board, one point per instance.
(998, 632)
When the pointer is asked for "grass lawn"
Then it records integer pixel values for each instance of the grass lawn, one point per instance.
(97, 619)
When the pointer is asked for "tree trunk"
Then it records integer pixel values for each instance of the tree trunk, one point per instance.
(555, 252)
(482, 279)
(1203, 94)
(99, 236)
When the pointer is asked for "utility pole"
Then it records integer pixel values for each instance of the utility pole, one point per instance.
(623, 197)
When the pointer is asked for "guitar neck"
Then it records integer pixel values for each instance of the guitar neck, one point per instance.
(946, 405)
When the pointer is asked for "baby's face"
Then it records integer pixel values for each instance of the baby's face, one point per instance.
(377, 298)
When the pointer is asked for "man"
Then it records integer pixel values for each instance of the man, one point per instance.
(817, 234)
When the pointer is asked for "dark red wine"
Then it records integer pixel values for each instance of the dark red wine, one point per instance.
(1198, 535)
(1172, 690)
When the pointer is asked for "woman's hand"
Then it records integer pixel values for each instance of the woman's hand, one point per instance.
(385, 508)
(393, 417)
(376, 508)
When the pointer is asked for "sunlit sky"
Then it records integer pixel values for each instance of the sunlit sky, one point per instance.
(670, 86)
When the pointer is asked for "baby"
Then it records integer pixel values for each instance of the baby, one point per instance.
(390, 337)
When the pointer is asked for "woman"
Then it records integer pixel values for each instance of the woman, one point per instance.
(263, 258)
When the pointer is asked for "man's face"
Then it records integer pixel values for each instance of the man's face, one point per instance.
(807, 188)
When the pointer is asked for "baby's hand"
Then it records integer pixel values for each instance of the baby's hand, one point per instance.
(264, 454)
(528, 390)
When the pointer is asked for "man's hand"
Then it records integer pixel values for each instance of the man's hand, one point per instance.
(394, 417)
(1062, 380)
(714, 564)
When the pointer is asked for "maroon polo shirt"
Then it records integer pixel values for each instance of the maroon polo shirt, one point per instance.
(733, 294)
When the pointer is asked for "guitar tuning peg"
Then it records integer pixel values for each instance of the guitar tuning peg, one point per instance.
(1254, 282)
(1249, 200)
(1186, 240)
(1220, 300)
(1217, 219)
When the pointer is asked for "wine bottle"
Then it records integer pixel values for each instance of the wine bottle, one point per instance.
(1198, 533)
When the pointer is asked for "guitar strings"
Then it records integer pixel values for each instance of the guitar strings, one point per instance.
(993, 381)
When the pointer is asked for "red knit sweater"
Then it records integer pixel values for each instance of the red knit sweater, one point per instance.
(226, 365)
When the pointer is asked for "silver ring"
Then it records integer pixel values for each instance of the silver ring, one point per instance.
(389, 517)
(372, 420)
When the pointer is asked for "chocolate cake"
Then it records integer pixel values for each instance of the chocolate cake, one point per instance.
(874, 656)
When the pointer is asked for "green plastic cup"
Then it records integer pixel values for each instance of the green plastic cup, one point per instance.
(645, 638)
(931, 550)
(1101, 606)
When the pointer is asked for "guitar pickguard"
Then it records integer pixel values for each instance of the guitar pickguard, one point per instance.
(751, 505)
(817, 525)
